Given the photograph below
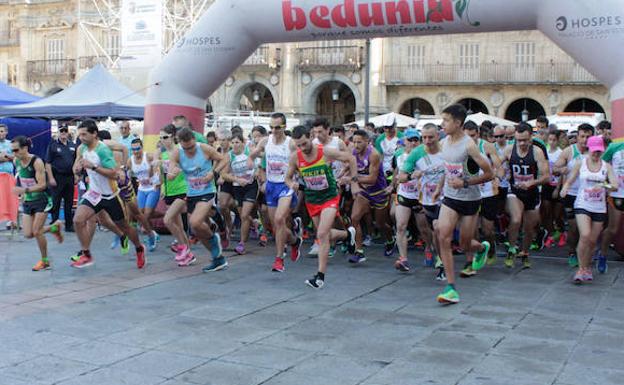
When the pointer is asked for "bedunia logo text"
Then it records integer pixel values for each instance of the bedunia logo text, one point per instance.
(366, 14)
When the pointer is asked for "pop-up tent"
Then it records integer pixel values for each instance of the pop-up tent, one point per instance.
(96, 95)
(569, 121)
(381, 120)
(36, 129)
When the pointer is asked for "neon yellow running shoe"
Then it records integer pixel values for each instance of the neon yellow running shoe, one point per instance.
(449, 296)
(511, 257)
(479, 259)
(125, 245)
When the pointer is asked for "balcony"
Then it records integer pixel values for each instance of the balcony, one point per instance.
(336, 58)
(489, 73)
(38, 69)
(264, 58)
(88, 62)
(9, 39)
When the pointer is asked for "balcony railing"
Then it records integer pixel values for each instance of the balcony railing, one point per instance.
(87, 62)
(50, 68)
(9, 39)
(492, 73)
(264, 58)
(342, 57)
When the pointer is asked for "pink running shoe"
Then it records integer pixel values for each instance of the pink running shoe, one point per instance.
(550, 242)
(563, 239)
(188, 261)
(182, 253)
(240, 248)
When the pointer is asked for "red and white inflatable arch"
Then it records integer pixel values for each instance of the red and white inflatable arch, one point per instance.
(592, 32)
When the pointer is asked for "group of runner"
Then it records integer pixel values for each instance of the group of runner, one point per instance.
(475, 187)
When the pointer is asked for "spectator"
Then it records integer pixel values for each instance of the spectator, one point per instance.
(59, 163)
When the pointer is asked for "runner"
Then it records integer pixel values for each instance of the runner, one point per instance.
(280, 198)
(36, 203)
(529, 169)
(552, 209)
(102, 194)
(244, 185)
(500, 143)
(174, 192)
(489, 198)
(590, 207)
(563, 167)
(195, 161)
(225, 197)
(146, 173)
(615, 156)
(420, 183)
(321, 194)
(387, 145)
(264, 227)
(372, 197)
(462, 198)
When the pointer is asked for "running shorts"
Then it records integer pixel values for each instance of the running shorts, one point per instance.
(463, 208)
(276, 191)
(315, 209)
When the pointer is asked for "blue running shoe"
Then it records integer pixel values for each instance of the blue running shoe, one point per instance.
(216, 264)
(151, 243)
(116, 242)
(215, 246)
(602, 264)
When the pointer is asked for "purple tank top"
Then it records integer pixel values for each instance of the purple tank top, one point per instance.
(363, 169)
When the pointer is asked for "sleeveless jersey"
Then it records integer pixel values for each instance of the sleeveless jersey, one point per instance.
(26, 176)
(141, 171)
(576, 157)
(174, 187)
(277, 158)
(487, 189)
(504, 183)
(615, 155)
(238, 164)
(523, 169)
(552, 159)
(195, 170)
(410, 188)
(363, 164)
(456, 166)
(318, 177)
(592, 195)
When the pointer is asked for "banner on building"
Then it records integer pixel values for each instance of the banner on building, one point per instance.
(141, 33)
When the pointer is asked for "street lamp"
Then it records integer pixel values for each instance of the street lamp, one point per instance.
(335, 95)
(256, 96)
(417, 114)
(525, 115)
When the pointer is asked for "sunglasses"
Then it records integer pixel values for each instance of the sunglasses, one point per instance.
(63, 130)
(499, 136)
(165, 137)
(15, 149)
(136, 149)
(413, 140)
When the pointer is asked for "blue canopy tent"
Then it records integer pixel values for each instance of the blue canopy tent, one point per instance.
(36, 129)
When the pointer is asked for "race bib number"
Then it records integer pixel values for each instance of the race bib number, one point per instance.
(145, 182)
(28, 182)
(454, 170)
(93, 197)
(197, 184)
(594, 194)
(411, 186)
(316, 183)
(621, 181)
(277, 168)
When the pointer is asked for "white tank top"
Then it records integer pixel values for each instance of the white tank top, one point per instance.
(592, 195)
(552, 159)
(389, 147)
(455, 158)
(277, 158)
(334, 143)
(238, 165)
(141, 171)
(487, 188)
(576, 157)
(408, 189)
(504, 183)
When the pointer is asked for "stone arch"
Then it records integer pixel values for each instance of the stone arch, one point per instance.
(398, 106)
(583, 104)
(477, 105)
(312, 90)
(514, 108)
(237, 89)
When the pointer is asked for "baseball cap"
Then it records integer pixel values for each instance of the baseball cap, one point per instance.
(411, 133)
(595, 143)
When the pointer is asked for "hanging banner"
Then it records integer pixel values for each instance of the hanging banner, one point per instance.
(141, 33)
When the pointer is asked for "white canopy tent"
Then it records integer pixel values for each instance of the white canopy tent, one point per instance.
(569, 121)
(382, 120)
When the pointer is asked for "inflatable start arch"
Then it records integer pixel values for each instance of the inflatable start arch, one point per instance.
(592, 32)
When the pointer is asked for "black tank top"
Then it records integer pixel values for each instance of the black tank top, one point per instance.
(522, 170)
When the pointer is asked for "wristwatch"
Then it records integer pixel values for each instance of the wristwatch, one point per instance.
(94, 168)
(466, 183)
(354, 179)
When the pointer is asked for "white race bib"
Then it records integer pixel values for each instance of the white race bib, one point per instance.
(93, 197)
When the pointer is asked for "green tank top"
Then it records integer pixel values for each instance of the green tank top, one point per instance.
(320, 184)
(172, 187)
(27, 178)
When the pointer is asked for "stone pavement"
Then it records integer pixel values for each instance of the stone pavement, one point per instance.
(113, 324)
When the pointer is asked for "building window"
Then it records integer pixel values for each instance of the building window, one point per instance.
(469, 56)
(55, 49)
(112, 43)
(415, 56)
(525, 54)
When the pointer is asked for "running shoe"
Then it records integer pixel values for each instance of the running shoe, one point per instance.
(315, 282)
(332, 251)
(602, 264)
(479, 259)
(140, 257)
(578, 276)
(350, 243)
(116, 242)
(428, 257)
(253, 232)
(344, 248)
(511, 257)
(295, 248)
(151, 243)
(278, 265)
(534, 246)
(389, 247)
(491, 259)
(526, 261)
(240, 248)
(314, 248)
(193, 240)
(182, 253)
(41, 265)
(76, 256)
(357, 257)
(438, 262)
(555, 235)
(215, 245)
(297, 227)
(457, 250)
(189, 260)
(572, 260)
(588, 276)
(420, 244)
(125, 245)
(441, 276)
(174, 246)
(402, 265)
(156, 235)
(550, 242)
(83, 261)
(217, 264)
(468, 270)
(263, 240)
(368, 240)
(58, 234)
(563, 239)
(448, 296)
